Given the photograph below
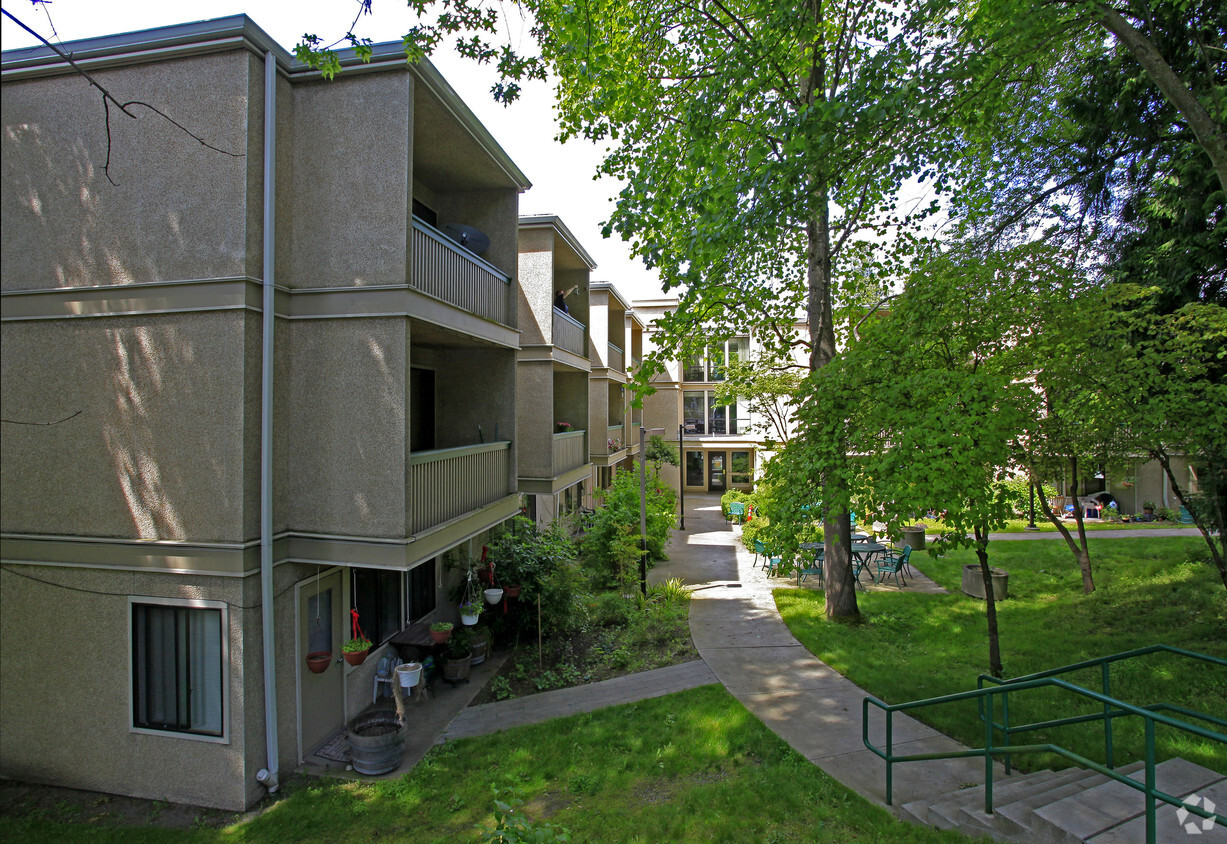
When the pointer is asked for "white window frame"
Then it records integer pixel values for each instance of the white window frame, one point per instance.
(224, 738)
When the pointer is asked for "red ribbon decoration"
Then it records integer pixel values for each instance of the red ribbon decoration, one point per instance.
(358, 634)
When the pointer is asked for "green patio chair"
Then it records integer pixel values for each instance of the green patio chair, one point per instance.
(893, 564)
(760, 550)
(737, 512)
(814, 567)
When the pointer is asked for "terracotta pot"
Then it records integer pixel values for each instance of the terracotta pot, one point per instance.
(318, 661)
(440, 636)
(356, 657)
(513, 591)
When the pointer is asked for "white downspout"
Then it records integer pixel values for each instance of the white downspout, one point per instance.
(269, 776)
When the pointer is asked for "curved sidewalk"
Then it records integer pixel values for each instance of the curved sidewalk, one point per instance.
(739, 634)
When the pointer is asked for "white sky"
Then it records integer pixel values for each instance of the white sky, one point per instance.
(561, 173)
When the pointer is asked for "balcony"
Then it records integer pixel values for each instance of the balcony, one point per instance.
(615, 441)
(569, 334)
(570, 451)
(617, 358)
(449, 272)
(447, 483)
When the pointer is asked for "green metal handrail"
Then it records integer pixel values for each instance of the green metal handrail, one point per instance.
(1113, 708)
(1104, 663)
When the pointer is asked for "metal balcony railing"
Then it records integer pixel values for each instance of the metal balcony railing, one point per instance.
(570, 451)
(449, 272)
(450, 482)
(569, 334)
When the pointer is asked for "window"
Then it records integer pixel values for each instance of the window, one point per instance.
(376, 595)
(740, 467)
(694, 412)
(711, 368)
(694, 468)
(422, 589)
(178, 667)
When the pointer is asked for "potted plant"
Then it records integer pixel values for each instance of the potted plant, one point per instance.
(355, 650)
(318, 661)
(459, 656)
(563, 427)
(440, 631)
(470, 609)
(1149, 508)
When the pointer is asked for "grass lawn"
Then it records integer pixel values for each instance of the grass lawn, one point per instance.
(694, 766)
(1149, 591)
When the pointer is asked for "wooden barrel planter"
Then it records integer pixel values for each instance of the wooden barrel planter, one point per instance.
(376, 742)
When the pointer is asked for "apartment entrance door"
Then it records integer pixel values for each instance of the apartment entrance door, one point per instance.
(715, 471)
(321, 701)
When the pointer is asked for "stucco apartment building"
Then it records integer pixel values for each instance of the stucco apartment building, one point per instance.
(247, 387)
(723, 444)
(553, 369)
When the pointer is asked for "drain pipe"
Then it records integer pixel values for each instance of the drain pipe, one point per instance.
(268, 777)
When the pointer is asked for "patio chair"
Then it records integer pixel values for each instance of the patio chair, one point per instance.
(760, 550)
(814, 567)
(893, 564)
(774, 566)
(737, 512)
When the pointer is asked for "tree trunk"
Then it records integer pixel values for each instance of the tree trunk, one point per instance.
(1082, 554)
(1216, 555)
(1208, 133)
(990, 603)
(840, 584)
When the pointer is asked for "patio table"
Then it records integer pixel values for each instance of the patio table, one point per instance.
(864, 553)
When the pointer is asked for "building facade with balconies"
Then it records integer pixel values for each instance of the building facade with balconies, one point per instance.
(615, 437)
(723, 443)
(252, 381)
(553, 368)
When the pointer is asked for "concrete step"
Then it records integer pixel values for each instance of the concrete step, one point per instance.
(1012, 811)
(954, 808)
(1018, 816)
(1091, 812)
(1169, 827)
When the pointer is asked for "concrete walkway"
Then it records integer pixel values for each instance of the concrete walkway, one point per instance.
(739, 634)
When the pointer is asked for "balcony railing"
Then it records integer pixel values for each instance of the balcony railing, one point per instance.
(614, 440)
(449, 482)
(569, 334)
(444, 269)
(617, 358)
(570, 451)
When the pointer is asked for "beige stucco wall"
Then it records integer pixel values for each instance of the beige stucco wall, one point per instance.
(66, 707)
(534, 423)
(347, 426)
(492, 212)
(152, 453)
(536, 278)
(349, 186)
(179, 208)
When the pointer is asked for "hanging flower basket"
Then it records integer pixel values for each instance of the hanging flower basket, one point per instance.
(318, 661)
(514, 591)
(493, 596)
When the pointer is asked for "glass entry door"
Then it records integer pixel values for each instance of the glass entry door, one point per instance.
(715, 471)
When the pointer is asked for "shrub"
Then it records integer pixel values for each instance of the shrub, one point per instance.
(734, 495)
(544, 562)
(611, 543)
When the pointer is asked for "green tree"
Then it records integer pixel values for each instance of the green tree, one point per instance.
(769, 388)
(931, 402)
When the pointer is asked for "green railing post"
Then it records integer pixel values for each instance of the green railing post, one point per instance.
(1150, 781)
(988, 757)
(890, 755)
(1107, 717)
(1005, 721)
